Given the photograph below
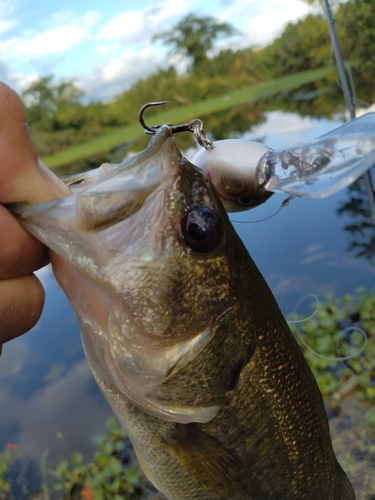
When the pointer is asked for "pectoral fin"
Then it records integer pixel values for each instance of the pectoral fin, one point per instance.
(210, 463)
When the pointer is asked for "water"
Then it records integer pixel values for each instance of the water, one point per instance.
(49, 400)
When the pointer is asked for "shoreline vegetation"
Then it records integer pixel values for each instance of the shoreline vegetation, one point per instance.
(231, 89)
(113, 139)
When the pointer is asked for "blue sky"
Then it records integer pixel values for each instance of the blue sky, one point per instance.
(105, 46)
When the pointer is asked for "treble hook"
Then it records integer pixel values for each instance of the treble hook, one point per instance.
(195, 126)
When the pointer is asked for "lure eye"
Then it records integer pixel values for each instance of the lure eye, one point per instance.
(201, 229)
(246, 201)
(232, 186)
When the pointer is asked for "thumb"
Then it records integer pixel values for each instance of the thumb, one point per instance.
(23, 178)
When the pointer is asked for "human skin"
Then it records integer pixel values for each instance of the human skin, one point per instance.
(22, 179)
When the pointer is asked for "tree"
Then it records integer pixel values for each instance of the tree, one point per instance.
(303, 45)
(333, 3)
(194, 37)
(355, 22)
(45, 100)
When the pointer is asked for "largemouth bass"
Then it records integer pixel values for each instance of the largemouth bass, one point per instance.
(184, 336)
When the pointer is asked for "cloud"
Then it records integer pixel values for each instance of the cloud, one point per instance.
(116, 74)
(7, 7)
(16, 354)
(99, 47)
(128, 26)
(72, 406)
(6, 26)
(65, 32)
(260, 22)
(140, 26)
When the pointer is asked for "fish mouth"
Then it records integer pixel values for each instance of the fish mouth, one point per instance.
(105, 235)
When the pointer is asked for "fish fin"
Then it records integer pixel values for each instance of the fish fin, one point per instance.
(209, 462)
(343, 488)
(98, 211)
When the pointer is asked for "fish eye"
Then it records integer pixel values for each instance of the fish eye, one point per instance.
(201, 229)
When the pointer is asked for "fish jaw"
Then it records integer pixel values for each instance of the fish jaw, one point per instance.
(120, 255)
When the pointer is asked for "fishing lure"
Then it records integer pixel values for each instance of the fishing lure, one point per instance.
(246, 173)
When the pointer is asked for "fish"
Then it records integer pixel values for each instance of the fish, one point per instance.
(184, 336)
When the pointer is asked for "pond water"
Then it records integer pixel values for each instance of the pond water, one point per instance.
(49, 400)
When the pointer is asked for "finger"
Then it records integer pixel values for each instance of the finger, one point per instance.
(22, 177)
(20, 252)
(21, 304)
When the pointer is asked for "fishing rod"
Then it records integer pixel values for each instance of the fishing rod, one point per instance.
(347, 95)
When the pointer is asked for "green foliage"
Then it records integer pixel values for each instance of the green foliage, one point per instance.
(11, 484)
(113, 474)
(355, 22)
(6, 459)
(194, 37)
(106, 477)
(359, 224)
(332, 333)
(302, 45)
(183, 113)
(58, 118)
(333, 3)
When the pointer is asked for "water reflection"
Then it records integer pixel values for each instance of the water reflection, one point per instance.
(360, 226)
(48, 397)
(302, 250)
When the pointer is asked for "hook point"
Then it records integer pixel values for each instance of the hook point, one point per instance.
(151, 130)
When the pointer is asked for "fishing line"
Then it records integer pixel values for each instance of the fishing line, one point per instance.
(259, 220)
(285, 203)
(342, 334)
(311, 315)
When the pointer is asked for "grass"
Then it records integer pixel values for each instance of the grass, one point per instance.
(109, 141)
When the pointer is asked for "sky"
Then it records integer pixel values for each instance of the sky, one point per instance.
(104, 47)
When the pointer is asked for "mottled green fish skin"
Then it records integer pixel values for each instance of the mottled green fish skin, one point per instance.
(269, 439)
(271, 442)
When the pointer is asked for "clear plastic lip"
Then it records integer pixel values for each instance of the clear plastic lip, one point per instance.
(326, 165)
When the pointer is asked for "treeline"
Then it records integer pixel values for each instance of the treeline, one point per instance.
(59, 117)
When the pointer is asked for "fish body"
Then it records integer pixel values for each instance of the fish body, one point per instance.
(184, 336)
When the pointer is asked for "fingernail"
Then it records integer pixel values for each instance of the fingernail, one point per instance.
(55, 184)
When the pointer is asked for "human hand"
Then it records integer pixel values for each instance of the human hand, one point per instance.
(22, 179)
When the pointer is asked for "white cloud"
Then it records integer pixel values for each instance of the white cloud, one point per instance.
(261, 21)
(58, 39)
(7, 7)
(46, 47)
(117, 73)
(16, 354)
(139, 26)
(127, 26)
(6, 25)
(67, 406)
